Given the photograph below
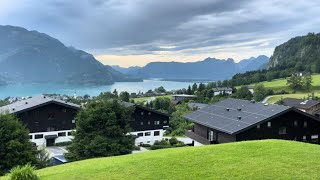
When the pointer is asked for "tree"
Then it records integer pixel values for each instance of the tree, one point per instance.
(178, 124)
(194, 88)
(102, 130)
(189, 91)
(115, 92)
(295, 82)
(307, 82)
(201, 87)
(243, 93)
(160, 89)
(124, 96)
(260, 92)
(15, 146)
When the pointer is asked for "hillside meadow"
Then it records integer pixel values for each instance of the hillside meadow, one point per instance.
(265, 159)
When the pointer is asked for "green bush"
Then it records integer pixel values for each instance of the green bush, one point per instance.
(145, 145)
(162, 142)
(63, 143)
(154, 147)
(23, 173)
(137, 148)
(173, 141)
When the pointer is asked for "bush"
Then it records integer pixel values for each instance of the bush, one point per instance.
(162, 142)
(63, 143)
(23, 173)
(136, 148)
(154, 147)
(145, 145)
(173, 141)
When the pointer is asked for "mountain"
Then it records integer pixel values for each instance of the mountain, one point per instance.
(208, 69)
(298, 54)
(33, 57)
(126, 70)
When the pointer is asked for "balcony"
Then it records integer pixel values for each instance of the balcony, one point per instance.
(196, 137)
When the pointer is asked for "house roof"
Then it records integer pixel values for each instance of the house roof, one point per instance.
(34, 102)
(218, 89)
(60, 158)
(225, 115)
(183, 95)
(300, 103)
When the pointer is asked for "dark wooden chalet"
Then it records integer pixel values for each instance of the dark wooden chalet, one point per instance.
(233, 120)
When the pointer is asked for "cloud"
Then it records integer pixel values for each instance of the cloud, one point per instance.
(139, 27)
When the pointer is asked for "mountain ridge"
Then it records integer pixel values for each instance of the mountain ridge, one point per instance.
(34, 57)
(207, 69)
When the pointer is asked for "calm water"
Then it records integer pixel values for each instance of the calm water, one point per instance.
(37, 89)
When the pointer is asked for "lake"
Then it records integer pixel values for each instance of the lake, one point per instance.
(21, 90)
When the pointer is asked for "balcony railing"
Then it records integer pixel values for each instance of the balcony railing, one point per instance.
(196, 137)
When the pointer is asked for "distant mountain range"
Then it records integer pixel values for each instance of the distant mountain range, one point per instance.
(33, 57)
(208, 69)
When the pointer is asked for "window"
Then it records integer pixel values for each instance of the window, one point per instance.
(38, 136)
(147, 134)
(314, 137)
(258, 126)
(149, 113)
(70, 133)
(142, 113)
(305, 124)
(141, 123)
(304, 138)
(148, 122)
(73, 121)
(64, 110)
(156, 122)
(62, 134)
(30, 136)
(283, 130)
(51, 116)
(295, 123)
(269, 124)
(165, 122)
(50, 129)
(140, 134)
(156, 133)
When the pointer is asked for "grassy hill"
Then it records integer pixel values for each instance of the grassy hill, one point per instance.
(268, 159)
(281, 84)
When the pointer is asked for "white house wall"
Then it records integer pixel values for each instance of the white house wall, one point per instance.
(148, 139)
(43, 142)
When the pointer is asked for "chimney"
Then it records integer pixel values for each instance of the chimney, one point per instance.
(239, 109)
(228, 109)
(239, 117)
(253, 101)
(26, 102)
(13, 109)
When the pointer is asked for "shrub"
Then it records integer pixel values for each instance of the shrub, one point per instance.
(154, 147)
(145, 145)
(63, 143)
(162, 142)
(137, 148)
(23, 173)
(173, 141)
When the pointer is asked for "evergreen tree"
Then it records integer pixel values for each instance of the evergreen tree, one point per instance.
(243, 93)
(194, 88)
(102, 130)
(189, 91)
(115, 92)
(124, 96)
(307, 82)
(260, 92)
(15, 146)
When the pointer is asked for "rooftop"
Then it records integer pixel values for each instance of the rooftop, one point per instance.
(34, 102)
(299, 103)
(222, 89)
(233, 115)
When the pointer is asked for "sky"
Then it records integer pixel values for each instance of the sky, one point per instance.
(136, 32)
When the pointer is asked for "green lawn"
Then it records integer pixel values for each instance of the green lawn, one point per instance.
(144, 99)
(268, 159)
(276, 98)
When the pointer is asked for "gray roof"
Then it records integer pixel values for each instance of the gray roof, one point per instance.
(218, 89)
(197, 105)
(183, 95)
(223, 116)
(299, 103)
(34, 102)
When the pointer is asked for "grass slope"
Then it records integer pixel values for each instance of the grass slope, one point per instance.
(267, 159)
(281, 84)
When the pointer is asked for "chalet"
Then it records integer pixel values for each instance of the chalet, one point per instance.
(222, 90)
(147, 124)
(233, 120)
(178, 98)
(49, 120)
(308, 106)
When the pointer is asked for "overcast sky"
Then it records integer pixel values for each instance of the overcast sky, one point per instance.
(135, 32)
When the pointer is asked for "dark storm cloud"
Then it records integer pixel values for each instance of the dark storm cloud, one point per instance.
(144, 27)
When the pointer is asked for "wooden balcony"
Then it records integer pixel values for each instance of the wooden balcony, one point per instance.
(196, 137)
